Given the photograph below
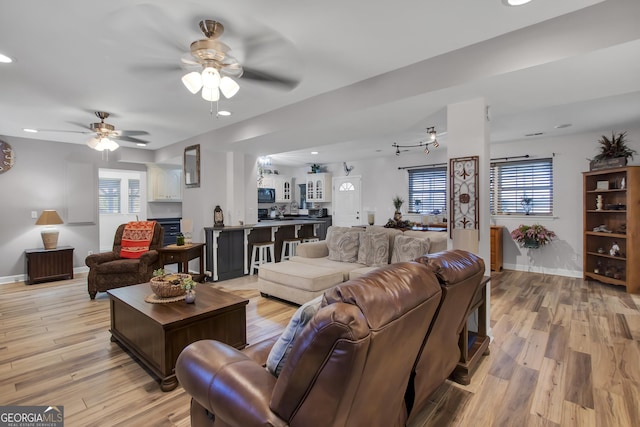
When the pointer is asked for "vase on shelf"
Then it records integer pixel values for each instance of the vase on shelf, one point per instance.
(599, 202)
(397, 216)
(190, 296)
(531, 244)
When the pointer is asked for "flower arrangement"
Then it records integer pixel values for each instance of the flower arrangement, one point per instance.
(188, 284)
(532, 236)
(397, 202)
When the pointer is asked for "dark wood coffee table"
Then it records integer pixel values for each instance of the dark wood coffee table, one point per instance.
(156, 333)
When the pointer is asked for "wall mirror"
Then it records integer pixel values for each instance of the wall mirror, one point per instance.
(192, 166)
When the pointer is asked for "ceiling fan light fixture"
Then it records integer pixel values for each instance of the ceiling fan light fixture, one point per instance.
(210, 78)
(192, 81)
(210, 94)
(93, 142)
(228, 86)
(106, 144)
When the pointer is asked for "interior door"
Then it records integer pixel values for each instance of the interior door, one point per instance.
(347, 201)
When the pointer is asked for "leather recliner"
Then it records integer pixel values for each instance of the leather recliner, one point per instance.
(349, 366)
(460, 275)
(107, 270)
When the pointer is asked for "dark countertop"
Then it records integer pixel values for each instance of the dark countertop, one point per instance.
(268, 223)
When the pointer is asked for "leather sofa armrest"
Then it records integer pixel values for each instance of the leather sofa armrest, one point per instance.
(94, 260)
(313, 249)
(259, 352)
(208, 370)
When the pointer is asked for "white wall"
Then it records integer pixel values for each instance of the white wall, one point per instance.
(564, 255)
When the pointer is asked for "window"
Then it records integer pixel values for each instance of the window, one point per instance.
(109, 195)
(346, 186)
(522, 187)
(428, 190)
(134, 195)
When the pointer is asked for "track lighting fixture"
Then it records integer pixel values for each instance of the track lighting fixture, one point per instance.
(431, 131)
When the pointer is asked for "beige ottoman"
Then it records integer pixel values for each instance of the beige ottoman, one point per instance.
(296, 282)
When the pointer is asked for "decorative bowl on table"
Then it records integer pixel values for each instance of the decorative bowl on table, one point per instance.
(169, 285)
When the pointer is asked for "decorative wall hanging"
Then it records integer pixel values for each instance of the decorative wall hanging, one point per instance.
(463, 193)
(7, 157)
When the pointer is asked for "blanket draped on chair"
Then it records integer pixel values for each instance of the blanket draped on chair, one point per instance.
(136, 238)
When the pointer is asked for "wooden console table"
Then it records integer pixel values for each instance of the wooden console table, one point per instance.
(46, 265)
(473, 345)
(181, 255)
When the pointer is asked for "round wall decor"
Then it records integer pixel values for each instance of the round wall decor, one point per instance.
(7, 157)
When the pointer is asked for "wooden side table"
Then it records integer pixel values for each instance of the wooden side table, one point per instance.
(473, 345)
(46, 265)
(181, 255)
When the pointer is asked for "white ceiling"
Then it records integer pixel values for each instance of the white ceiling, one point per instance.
(371, 72)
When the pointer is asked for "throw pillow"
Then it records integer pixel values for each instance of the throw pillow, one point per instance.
(343, 245)
(374, 249)
(406, 248)
(281, 349)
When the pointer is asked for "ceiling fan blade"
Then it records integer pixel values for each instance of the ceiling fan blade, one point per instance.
(266, 77)
(132, 132)
(131, 139)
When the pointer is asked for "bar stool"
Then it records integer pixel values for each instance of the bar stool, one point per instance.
(265, 252)
(310, 239)
(289, 248)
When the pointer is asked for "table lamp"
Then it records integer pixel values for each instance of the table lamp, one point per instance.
(49, 234)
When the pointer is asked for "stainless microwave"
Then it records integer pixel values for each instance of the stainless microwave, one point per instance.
(266, 195)
(318, 212)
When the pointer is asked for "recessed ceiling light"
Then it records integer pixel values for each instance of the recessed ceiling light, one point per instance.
(562, 126)
(314, 152)
(141, 144)
(30, 130)
(515, 2)
(224, 113)
(535, 134)
(5, 59)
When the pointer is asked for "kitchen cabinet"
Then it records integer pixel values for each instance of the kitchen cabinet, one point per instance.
(268, 181)
(612, 217)
(319, 187)
(225, 252)
(165, 184)
(283, 189)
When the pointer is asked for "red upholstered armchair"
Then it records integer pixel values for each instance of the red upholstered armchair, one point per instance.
(108, 270)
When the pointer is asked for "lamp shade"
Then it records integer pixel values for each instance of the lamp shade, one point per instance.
(49, 234)
(49, 217)
(192, 81)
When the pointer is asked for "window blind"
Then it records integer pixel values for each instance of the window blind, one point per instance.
(134, 195)
(516, 187)
(428, 190)
(109, 195)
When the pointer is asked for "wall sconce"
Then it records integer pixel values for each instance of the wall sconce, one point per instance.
(431, 131)
(49, 234)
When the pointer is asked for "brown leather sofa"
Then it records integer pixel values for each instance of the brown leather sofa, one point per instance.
(363, 360)
(108, 271)
(460, 274)
(354, 355)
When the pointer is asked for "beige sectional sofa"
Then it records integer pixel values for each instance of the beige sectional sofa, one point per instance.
(348, 252)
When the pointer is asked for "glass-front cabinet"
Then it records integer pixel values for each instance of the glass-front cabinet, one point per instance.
(319, 187)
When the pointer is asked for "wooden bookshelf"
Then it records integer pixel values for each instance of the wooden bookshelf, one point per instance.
(620, 215)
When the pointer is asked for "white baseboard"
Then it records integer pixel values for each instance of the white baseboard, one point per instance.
(5, 280)
(543, 270)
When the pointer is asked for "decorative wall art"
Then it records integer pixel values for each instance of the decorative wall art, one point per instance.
(463, 193)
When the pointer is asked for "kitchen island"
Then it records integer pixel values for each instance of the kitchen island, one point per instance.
(229, 247)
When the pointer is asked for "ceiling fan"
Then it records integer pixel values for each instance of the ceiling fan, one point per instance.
(214, 68)
(106, 134)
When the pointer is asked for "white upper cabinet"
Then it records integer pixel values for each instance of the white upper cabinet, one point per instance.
(319, 187)
(165, 184)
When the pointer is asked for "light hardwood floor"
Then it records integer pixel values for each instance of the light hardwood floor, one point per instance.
(565, 353)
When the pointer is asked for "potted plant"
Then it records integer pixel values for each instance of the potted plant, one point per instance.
(315, 168)
(397, 203)
(614, 151)
(189, 285)
(532, 236)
